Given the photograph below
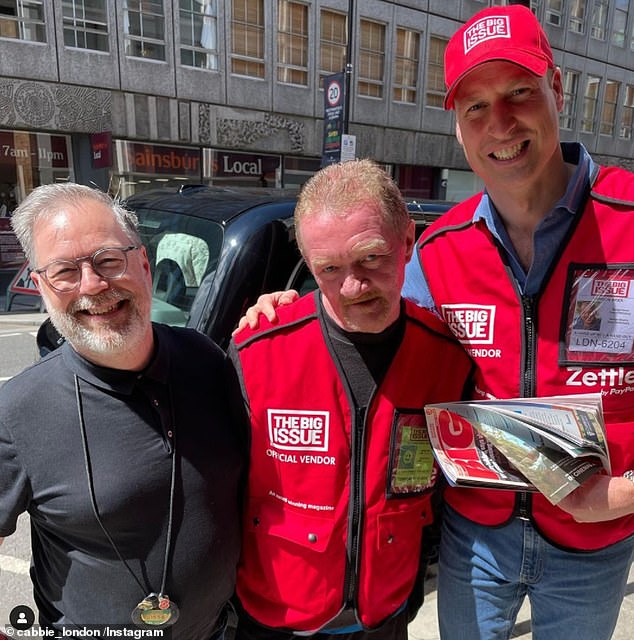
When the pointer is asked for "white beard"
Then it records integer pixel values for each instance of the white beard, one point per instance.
(106, 339)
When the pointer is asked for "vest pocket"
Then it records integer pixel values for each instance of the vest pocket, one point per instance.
(291, 562)
(287, 523)
(393, 558)
(397, 529)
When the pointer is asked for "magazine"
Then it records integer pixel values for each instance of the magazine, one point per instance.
(551, 445)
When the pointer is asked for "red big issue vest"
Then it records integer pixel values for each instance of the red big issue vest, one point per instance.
(304, 469)
(521, 351)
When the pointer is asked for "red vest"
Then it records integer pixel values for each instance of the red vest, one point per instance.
(322, 485)
(524, 348)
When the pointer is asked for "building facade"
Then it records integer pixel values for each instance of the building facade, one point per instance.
(131, 94)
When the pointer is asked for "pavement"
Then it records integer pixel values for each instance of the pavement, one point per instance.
(425, 626)
(30, 318)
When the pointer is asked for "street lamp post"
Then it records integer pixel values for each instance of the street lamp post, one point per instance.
(349, 51)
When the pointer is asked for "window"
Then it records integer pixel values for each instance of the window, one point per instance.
(577, 16)
(144, 28)
(554, 11)
(22, 19)
(590, 104)
(608, 110)
(292, 43)
(619, 22)
(332, 46)
(627, 116)
(371, 59)
(199, 33)
(406, 65)
(599, 19)
(85, 24)
(247, 36)
(571, 86)
(435, 94)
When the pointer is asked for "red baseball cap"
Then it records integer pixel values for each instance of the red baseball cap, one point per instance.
(510, 33)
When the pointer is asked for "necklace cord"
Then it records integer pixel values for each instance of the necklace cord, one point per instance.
(170, 518)
(93, 500)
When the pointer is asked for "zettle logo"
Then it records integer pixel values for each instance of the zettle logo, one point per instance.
(470, 323)
(293, 430)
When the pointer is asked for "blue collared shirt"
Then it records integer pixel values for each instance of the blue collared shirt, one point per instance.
(548, 236)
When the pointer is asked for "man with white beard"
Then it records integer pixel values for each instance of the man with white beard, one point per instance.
(121, 445)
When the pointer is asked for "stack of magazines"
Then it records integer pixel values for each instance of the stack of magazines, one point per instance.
(552, 444)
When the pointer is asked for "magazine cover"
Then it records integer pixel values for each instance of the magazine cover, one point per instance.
(551, 445)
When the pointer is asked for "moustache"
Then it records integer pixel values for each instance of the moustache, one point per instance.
(366, 297)
(88, 303)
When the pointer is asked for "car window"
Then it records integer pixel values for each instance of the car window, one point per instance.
(301, 279)
(183, 250)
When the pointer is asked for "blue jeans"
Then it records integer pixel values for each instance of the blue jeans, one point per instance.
(484, 573)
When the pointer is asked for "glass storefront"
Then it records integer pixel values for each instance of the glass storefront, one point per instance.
(140, 166)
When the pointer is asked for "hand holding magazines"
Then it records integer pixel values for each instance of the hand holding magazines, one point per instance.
(551, 444)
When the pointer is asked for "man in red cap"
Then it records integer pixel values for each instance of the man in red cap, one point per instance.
(552, 229)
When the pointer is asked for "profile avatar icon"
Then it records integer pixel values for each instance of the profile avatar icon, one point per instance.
(22, 617)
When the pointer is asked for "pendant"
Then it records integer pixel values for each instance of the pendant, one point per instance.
(155, 611)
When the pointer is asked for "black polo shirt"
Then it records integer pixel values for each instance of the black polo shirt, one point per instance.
(132, 422)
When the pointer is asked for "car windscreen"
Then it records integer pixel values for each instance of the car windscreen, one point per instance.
(183, 250)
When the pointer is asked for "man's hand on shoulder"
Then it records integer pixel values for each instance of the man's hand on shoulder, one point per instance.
(265, 305)
(600, 498)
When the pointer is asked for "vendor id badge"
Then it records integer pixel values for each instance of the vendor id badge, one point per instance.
(598, 315)
(412, 469)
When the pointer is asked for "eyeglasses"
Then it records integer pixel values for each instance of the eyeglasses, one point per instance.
(65, 275)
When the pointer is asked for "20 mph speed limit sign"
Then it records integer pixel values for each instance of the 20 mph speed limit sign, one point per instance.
(334, 93)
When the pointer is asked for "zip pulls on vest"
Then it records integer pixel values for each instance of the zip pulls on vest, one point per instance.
(348, 359)
(523, 501)
(529, 347)
(357, 458)
(523, 505)
(357, 429)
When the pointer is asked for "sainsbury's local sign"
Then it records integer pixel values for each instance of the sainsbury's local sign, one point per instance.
(207, 164)
(230, 167)
(150, 159)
